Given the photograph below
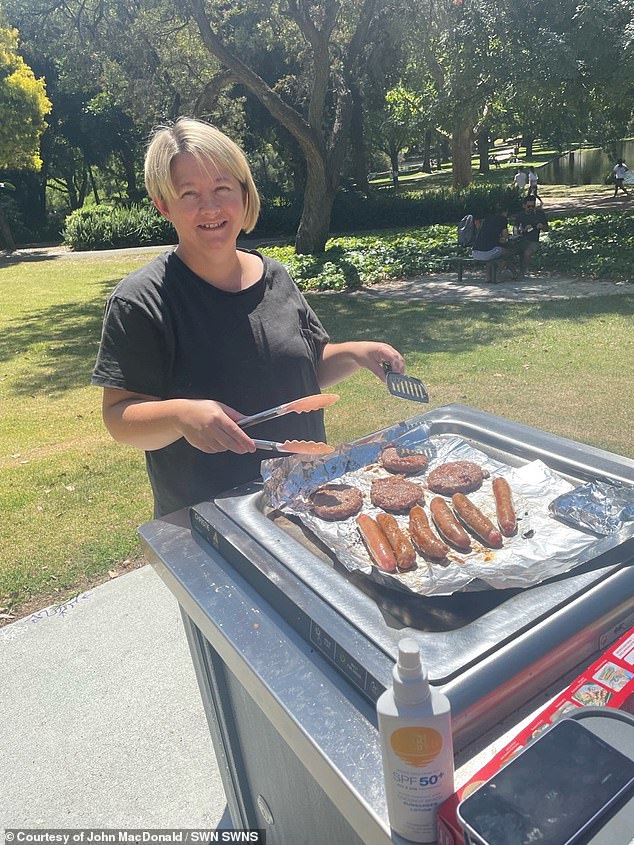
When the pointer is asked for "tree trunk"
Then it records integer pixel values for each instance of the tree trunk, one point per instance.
(5, 231)
(528, 142)
(483, 151)
(394, 166)
(93, 185)
(358, 149)
(461, 141)
(314, 225)
(427, 152)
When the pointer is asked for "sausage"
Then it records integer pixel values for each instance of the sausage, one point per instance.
(476, 521)
(507, 519)
(448, 526)
(376, 543)
(424, 538)
(401, 546)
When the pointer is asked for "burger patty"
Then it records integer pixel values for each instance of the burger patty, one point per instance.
(456, 477)
(402, 461)
(395, 494)
(334, 502)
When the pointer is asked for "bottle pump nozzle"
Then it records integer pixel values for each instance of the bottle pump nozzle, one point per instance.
(410, 678)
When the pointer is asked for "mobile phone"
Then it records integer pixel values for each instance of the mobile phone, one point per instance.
(553, 791)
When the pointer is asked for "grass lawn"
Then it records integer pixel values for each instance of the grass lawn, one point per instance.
(72, 498)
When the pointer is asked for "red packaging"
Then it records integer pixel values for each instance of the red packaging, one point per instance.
(608, 682)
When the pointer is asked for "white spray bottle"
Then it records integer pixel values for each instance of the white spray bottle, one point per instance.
(416, 745)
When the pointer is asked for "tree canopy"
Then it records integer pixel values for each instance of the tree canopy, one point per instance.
(23, 107)
(301, 84)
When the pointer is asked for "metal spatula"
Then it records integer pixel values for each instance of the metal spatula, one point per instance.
(405, 387)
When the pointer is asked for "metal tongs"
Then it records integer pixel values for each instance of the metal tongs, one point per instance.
(405, 387)
(298, 406)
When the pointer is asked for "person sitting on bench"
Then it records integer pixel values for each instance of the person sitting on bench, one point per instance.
(491, 240)
(530, 223)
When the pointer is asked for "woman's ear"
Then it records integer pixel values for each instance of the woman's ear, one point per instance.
(161, 207)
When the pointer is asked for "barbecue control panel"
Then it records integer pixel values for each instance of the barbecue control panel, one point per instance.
(345, 663)
(313, 632)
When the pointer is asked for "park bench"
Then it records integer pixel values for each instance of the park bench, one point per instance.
(461, 261)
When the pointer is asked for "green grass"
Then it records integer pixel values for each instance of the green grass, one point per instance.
(72, 498)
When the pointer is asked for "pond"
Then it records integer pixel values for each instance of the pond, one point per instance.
(586, 166)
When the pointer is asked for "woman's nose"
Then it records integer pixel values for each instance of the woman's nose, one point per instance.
(209, 200)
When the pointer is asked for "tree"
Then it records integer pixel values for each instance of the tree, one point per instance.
(331, 35)
(23, 107)
(402, 123)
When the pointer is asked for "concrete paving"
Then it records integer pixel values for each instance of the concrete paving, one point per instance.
(537, 287)
(101, 719)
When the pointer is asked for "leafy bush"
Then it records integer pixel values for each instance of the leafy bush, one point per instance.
(349, 262)
(596, 245)
(105, 226)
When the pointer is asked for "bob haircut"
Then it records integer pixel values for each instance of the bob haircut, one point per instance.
(209, 146)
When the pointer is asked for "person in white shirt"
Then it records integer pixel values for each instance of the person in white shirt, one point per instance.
(520, 179)
(533, 179)
(619, 170)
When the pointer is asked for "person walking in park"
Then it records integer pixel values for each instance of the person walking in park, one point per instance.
(208, 332)
(529, 224)
(619, 171)
(520, 179)
(533, 179)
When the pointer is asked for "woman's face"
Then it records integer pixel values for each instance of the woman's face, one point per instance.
(209, 207)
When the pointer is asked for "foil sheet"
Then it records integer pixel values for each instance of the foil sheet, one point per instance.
(598, 506)
(542, 548)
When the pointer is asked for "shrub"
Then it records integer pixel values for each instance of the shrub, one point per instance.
(597, 245)
(349, 262)
(105, 226)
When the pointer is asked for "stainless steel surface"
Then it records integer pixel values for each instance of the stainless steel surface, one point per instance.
(454, 631)
(323, 720)
(313, 646)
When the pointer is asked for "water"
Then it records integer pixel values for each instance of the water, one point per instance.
(586, 167)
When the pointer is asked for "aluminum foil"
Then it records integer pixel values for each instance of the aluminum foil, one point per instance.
(542, 548)
(599, 506)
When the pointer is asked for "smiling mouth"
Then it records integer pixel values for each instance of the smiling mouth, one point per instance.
(212, 226)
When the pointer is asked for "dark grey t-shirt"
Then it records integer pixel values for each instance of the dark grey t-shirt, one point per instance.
(168, 333)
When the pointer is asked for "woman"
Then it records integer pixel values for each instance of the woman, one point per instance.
(208, 333)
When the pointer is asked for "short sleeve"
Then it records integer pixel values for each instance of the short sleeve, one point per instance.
(132, 352)
(311, 326)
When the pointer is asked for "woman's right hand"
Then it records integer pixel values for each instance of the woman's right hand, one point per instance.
(210, 426)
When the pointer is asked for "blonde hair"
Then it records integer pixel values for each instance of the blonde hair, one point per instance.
(208, 145)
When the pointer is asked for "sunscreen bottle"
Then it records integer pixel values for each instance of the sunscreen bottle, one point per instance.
(416, 746)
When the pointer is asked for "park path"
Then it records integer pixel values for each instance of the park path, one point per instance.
(444, 287)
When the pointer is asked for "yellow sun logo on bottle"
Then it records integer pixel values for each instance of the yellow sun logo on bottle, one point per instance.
(416, 746)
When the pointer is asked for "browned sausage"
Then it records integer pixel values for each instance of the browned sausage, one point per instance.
(401, 546)
(507, 520)
(448, 526)
(376, 543)
(476, 520)
(424, 538)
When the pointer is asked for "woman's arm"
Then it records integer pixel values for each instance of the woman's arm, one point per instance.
(340, 360)
(150, 423)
